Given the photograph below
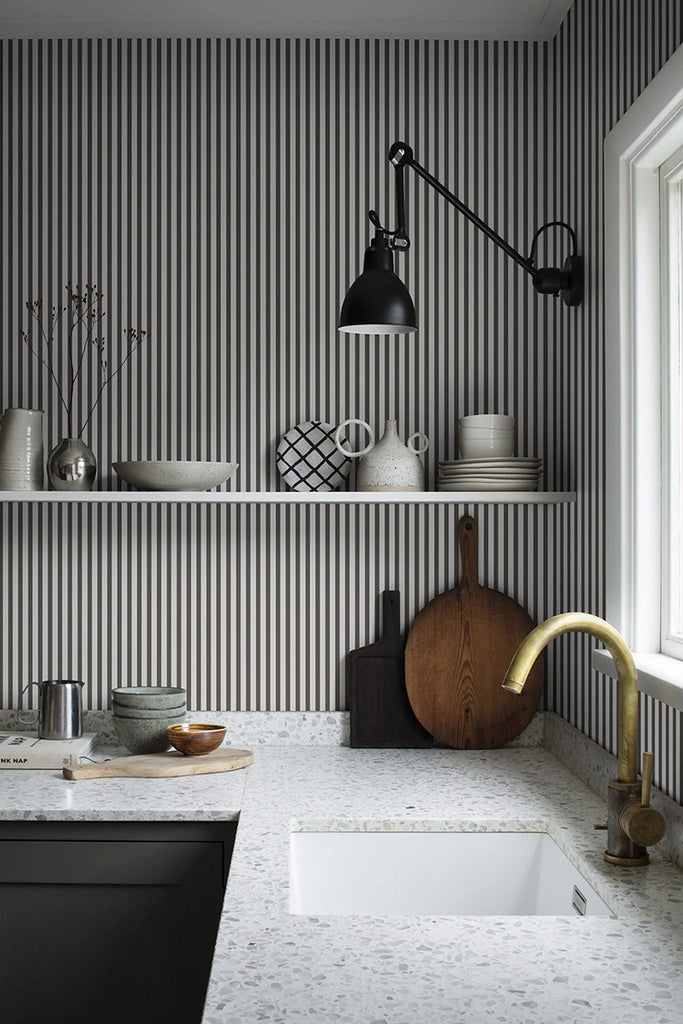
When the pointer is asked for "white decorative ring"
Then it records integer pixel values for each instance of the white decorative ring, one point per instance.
(418, 451)
(345, 451)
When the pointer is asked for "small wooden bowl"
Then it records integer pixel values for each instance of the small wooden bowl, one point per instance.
(192, 738)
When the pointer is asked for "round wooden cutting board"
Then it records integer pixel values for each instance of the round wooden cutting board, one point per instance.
(458, 651)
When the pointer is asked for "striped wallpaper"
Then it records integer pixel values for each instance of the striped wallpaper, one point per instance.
(603, 56)
(216, 191)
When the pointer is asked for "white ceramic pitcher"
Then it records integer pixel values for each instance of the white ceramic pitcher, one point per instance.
(388, 465)
(21, 450)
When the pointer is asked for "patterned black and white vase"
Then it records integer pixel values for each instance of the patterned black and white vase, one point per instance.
(309, 460)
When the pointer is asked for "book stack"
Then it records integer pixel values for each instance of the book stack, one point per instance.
(27, 750)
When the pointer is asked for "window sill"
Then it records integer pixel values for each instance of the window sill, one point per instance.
(658, 675)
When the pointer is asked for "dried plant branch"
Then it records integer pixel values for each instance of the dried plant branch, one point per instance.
(40, 359)
(135, 339)
(85, 316)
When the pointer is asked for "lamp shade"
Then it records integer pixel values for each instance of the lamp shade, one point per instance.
(378, 302)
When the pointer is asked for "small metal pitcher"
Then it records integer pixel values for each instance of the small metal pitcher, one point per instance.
(60, 710)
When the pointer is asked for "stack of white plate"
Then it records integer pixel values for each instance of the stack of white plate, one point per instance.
(499, 474)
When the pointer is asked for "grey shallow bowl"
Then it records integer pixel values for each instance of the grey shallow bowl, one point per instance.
(147, 714)
(175, 475)
(152, 698)
(145, 736)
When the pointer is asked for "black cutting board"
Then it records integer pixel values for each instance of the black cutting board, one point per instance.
(380, 712)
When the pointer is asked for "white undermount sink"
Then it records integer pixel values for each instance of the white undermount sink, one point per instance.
(435, 874)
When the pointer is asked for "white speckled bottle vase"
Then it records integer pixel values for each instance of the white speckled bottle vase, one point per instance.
(392, 465)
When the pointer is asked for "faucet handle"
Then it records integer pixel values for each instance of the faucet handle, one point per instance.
(642, 823)
(648, 764)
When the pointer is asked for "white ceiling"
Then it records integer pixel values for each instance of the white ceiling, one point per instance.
(455, 19)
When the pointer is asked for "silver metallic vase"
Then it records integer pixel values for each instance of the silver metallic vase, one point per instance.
(71, 465)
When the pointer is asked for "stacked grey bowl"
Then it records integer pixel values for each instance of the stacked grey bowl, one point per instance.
(143, 713)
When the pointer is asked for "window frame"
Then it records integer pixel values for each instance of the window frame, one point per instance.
(671, 242)
(645, 137)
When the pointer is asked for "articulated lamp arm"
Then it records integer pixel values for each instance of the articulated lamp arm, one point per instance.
(567, 281)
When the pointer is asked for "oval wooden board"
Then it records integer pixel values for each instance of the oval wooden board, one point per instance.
(168, 765)
(458, 651)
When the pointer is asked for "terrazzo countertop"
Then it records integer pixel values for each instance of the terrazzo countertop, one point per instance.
(272, 966)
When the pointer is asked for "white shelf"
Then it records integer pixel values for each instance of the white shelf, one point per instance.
(292, 497)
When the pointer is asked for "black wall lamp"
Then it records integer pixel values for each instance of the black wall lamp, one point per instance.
(379, 303)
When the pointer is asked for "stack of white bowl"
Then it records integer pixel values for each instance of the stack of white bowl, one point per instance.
(143, 713)
(488, 462)
(486, 437)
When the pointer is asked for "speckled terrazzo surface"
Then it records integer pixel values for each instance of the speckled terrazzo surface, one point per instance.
(47, 796)
(276, 967)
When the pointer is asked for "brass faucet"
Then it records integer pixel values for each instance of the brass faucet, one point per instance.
(632, 825)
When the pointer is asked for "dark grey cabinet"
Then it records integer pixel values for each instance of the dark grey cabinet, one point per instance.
(109, 922)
